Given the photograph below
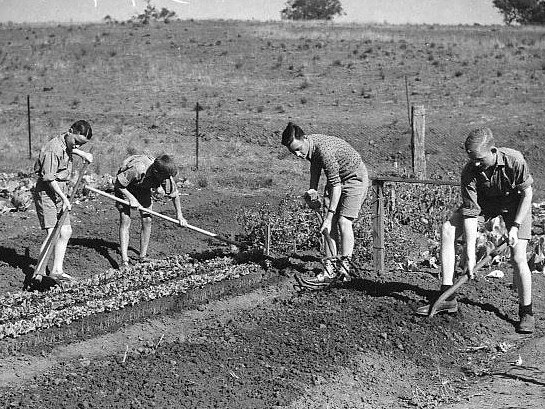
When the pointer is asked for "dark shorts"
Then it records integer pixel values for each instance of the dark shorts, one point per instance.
(143, 197)
(49, 206)
(353, 193)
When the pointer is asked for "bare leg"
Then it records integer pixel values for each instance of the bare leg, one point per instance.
(60, 249)
(347, 236)
(450, 231)
(523, 275)
(124, 227)
(145, 234)
(332, 249)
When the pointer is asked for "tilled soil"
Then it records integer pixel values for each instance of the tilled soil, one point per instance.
(356, 346)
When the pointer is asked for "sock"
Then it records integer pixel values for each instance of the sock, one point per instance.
(525, 309)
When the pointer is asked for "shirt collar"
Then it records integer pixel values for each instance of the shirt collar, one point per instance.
(500, 158)
(62, 140)
(310, 147)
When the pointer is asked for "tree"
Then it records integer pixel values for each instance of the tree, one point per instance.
(152, 14)
(311, 10)
(521, 11)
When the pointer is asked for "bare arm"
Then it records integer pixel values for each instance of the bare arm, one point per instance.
(470, 233)
(335, 195)
(178, 207)
(88, 156)
(55, 186)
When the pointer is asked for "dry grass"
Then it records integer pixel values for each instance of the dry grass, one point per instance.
(138, 87)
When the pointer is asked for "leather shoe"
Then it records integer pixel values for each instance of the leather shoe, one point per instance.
(446, 306)
(527, 324)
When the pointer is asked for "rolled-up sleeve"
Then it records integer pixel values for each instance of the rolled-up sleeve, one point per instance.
(48, 166)
(468, 184)
(523, 178)
(127, 176)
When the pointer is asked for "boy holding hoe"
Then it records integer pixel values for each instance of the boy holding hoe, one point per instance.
(54, 169)
(135, 179)
(345, 191)
(495, 181)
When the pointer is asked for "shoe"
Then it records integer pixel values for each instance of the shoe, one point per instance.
(319, 282)
(60, 278)
(446, 306)
(527, 324)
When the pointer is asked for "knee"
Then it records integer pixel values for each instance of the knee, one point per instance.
(448, 232)
(124, 221)
(345, 225)
(146, 222)
(519, 259)
(66, 231)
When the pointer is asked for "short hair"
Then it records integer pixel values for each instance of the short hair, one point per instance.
(81, 127)
(479, 139)
(292, 132)
(165, 165)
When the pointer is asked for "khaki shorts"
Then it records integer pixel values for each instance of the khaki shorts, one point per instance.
(525, 230)
(353, 193)
(49, 206)
(143, 197)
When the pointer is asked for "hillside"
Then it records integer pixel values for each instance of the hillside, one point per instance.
(138, 86)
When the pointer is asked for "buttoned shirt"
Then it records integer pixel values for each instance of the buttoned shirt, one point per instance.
(335, 156)
(53, 163)
(133, 175)
(497, 189)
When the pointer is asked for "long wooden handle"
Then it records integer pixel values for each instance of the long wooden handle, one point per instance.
(162, 216)
(465, 278)
(45, 254)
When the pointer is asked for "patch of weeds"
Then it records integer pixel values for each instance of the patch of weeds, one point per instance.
(202, 181)
(131, 150)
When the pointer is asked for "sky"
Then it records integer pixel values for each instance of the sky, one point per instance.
(391, 11)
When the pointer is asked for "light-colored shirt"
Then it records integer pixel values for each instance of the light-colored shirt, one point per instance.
(494, 191)
(132, 176)
(335, 156)
(54, 162)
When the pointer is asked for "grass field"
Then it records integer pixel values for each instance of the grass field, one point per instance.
(138, 86)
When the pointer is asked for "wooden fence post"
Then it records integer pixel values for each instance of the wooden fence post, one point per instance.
(378, 227)
(418, 141)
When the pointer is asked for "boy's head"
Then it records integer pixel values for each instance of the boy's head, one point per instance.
(78, 134)
(480, 147)
(295, 140)
(163, 167)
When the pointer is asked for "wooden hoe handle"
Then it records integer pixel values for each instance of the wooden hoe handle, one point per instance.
(462, 280)
(45, 254)
(162, 216)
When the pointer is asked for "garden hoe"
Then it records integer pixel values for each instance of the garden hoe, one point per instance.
(170, 219)
(45, 254)
(344, 274)
(502, 245)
